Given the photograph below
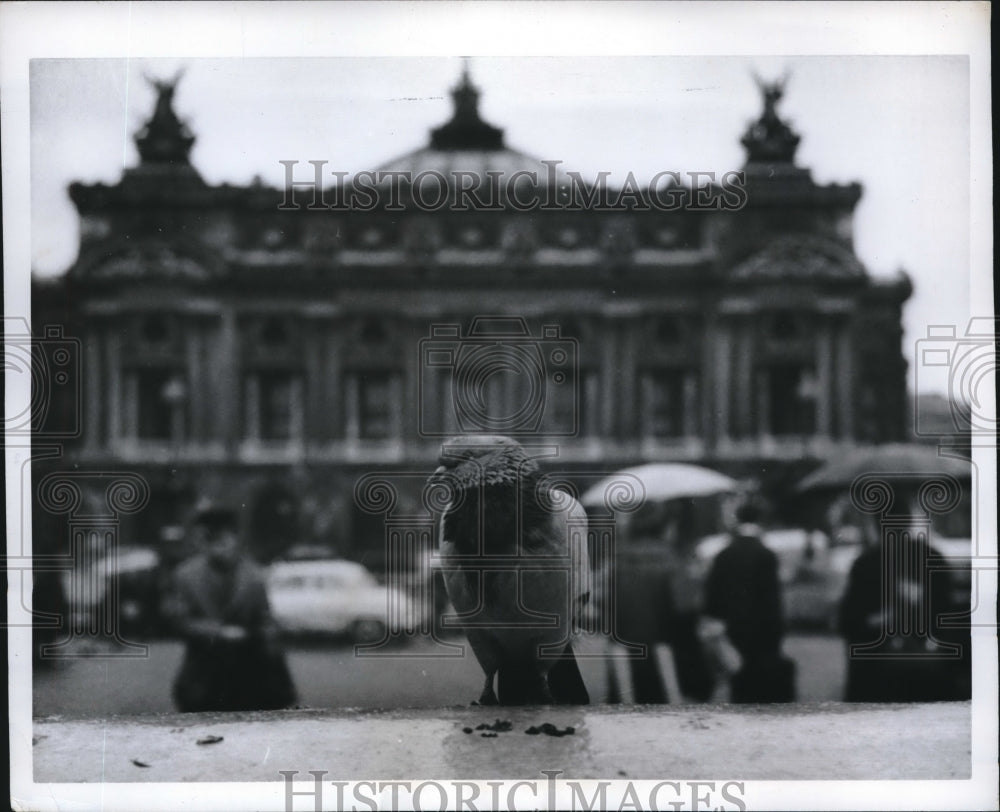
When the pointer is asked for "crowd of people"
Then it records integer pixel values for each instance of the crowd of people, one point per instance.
(724, 640)
(903, 634)
(903, 621)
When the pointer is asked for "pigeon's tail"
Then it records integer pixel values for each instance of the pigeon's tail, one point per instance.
(566, 682)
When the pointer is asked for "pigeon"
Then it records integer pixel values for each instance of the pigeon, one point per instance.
(513, 554)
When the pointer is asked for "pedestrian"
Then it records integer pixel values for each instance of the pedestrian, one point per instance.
(656, 606)
(897, 649)
(218, 605)
(743, 593)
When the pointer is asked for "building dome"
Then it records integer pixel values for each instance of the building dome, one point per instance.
(466, 144)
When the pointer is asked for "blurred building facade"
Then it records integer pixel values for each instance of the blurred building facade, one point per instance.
(242, 344)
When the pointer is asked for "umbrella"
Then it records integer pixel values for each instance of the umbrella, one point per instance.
(894, 459)
(662, 481)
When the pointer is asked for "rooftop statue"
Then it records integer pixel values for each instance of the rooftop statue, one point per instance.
(165, 139)
(769, 139)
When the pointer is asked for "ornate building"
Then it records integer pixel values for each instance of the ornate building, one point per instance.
(265, 347)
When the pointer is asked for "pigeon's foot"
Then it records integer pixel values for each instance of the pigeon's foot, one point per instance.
(523, 684)
(488, 696)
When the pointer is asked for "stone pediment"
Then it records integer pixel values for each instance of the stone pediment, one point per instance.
(800, 257)
(147, 261)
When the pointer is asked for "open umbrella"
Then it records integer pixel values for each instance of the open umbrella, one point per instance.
(894, 459)
(662, 481)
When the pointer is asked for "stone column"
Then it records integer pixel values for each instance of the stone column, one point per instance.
(333, 381)
(197, 385)
(628, 394)
(824, 374)
(228, 389)
(690, 406)
(606, 423)
(743, 372)
(297, 397)
(395, 387)
(352, 416)
(313, 381)
(720, 372)
(114, 381)
(762, 399)
(845, 384)
(94, 381)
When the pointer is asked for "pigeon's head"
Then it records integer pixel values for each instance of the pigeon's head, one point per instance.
(484, 459)
(492, 483)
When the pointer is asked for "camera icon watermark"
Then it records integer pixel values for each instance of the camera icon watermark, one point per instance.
(498, 379)
(49, 367)
(968, 365)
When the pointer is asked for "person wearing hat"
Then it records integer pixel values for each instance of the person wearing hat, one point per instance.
(218, 605)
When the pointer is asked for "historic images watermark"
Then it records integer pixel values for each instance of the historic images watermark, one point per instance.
(524, 190)
(547, 793)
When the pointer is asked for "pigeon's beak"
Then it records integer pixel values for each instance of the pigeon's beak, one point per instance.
(438, 472)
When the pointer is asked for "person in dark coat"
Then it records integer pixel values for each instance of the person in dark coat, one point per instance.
(744, 593)
(218, 605)
(891, 610)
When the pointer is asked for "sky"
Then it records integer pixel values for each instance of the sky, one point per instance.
(899, 125)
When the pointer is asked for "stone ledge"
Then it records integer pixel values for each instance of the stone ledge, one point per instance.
(776, 742)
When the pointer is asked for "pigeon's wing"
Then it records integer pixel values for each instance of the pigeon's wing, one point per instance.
(466, 590)
(555, 579)
(565, 681)
(568, 537)
(582, 576)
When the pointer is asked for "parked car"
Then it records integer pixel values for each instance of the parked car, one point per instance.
(338, 598)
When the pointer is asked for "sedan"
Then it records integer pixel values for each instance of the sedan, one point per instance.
(338, 598)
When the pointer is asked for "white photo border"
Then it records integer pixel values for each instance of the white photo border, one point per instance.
(242, 30)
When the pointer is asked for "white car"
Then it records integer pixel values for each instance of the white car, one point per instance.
(336, 597)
